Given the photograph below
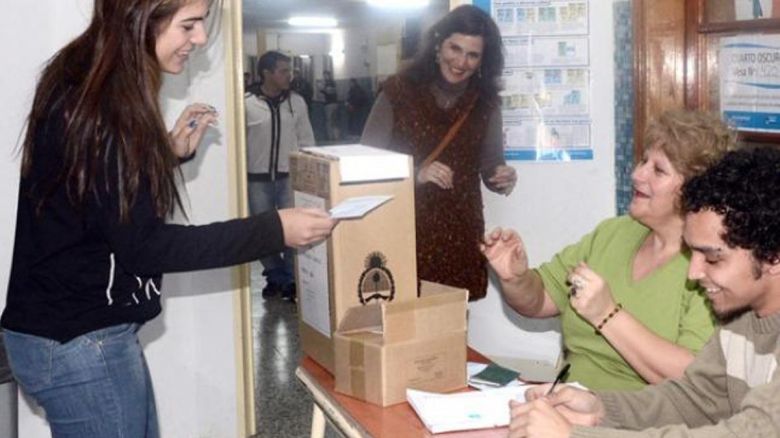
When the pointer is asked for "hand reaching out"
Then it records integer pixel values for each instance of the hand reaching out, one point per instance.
(505, 251)
(305, 226)
(190, 127)
(437, 173)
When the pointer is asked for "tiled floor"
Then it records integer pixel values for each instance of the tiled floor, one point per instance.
(283, 405)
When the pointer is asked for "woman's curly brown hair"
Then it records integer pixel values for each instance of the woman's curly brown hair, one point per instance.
(692, 140)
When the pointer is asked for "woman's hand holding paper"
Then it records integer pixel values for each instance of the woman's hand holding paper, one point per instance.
(305, 226)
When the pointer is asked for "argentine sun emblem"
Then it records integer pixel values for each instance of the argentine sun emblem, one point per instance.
(376, 282)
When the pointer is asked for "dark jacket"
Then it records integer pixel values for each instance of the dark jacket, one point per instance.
(78, 268)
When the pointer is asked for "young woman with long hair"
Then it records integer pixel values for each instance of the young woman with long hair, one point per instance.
(99, 172)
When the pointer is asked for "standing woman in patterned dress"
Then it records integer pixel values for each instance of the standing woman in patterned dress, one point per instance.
(443, 109)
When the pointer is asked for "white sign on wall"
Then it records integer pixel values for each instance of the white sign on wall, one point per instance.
(546, 96)
(750, 82)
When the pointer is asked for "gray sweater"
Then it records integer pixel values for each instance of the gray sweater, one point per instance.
(732, 389)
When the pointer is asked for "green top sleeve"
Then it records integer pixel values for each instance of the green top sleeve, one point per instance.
(664, 301)
(555, 272)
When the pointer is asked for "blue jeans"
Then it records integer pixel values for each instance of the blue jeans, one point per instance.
(272, 195)
(94, 386)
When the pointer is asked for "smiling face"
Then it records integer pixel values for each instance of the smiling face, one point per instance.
(656, 189)
(459, 57)
(733, 279)
(185, 32)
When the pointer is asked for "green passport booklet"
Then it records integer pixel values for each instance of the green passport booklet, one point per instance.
(494, 375)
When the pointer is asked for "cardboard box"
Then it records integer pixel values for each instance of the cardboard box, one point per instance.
(381, 350)
(367, 260)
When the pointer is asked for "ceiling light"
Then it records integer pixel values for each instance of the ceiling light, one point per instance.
(313, 21)
(399, 4)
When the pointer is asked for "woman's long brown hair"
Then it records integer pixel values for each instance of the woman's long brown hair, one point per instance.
(468, 20)
(108, 80)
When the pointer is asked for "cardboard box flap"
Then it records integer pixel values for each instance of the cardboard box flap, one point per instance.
(423, 347)
(425, 317)
(359, 163)
(431, 288)
(362, 319)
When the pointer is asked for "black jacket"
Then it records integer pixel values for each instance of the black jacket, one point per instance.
(79, 269)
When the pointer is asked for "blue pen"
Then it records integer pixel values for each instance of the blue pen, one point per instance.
(192, 123)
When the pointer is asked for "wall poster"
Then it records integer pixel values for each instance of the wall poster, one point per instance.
(546, 96)
(750, 82)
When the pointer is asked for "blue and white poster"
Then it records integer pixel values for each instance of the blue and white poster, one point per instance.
(750, 82)
(546, 96)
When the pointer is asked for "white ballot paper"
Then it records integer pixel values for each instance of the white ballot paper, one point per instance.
(464, 410)
(358, 206)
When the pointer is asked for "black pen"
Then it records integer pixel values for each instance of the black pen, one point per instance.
(559, 377)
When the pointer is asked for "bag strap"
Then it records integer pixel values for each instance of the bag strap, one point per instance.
(450, 134)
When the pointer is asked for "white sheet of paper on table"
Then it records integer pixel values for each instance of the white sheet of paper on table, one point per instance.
(482, 409)
(358, 206)
(464, 410)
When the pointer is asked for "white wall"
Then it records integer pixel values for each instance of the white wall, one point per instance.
(359, 53)
(553, 205)
(191, 347)
(357, 45)
(300, 43)
(249, 41)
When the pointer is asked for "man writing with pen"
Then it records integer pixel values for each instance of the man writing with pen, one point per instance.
(732, 388)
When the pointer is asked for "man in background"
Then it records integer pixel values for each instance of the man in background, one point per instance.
(331, 97)
(277, 123)
(301, 86)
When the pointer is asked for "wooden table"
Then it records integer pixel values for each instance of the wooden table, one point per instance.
(357, 418)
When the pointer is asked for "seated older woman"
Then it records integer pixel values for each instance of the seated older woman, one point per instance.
(629, 316)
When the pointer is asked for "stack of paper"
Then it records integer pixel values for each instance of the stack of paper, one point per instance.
(464, 410)
(359, 163)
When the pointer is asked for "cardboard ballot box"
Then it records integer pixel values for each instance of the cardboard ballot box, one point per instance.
(366, 260)
(381, 350)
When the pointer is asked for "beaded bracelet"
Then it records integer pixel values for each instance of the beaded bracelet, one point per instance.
(608, 317)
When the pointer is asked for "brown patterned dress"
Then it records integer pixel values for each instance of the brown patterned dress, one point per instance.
(450, 223)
